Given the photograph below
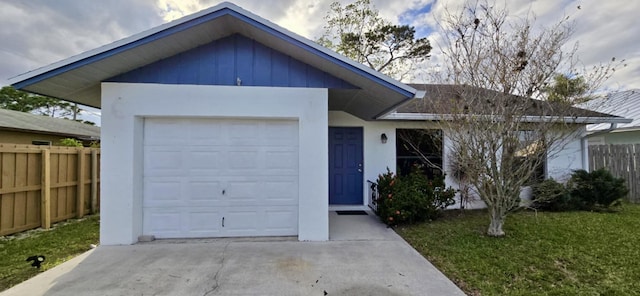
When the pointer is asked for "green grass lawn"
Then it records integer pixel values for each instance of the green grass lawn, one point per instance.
(573, 253)
(59, 244)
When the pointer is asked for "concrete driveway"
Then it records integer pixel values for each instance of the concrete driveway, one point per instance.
(362, 258)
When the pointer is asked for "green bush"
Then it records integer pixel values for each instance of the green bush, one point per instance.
(412, 198)
(597, 189)
(584, 191)
(70, 142)
(551, 195)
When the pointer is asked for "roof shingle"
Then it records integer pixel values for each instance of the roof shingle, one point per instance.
(15, 120)
(456, 99)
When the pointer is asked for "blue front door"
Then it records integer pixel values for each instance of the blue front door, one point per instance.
(345, 166)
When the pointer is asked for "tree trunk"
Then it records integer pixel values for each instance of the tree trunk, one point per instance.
(497, 220)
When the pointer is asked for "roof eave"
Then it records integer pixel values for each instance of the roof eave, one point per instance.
(419, 94)
(564, 119)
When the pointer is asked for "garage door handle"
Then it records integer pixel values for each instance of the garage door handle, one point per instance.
(222, 221)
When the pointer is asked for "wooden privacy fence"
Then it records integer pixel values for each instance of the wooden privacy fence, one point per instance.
(40, 185)
(622, 161)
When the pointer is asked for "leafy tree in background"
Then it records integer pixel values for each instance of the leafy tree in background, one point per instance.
(358, 32)
(568, 89)
(13, 99)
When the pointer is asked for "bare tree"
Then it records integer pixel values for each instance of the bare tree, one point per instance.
(492, 106)
(458, 172)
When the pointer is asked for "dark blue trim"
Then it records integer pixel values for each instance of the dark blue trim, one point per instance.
(198, 21)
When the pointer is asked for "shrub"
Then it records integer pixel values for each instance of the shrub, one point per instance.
(386, 190)
(551, 195)
(412, 198)
(597, 189)
(70, 142)
(584, 191)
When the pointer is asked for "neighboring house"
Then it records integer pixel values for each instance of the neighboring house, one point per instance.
(26, 128)
(224, 124)
(624, 104)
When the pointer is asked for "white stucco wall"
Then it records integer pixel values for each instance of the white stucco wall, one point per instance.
(568, 155)
(125, 105)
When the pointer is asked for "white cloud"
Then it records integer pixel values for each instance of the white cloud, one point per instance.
(603, 29)
(38, 32)
(41, 32)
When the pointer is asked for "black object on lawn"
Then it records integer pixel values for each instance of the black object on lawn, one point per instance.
(37, 260)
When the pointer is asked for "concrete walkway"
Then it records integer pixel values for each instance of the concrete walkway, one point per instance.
(362, 258)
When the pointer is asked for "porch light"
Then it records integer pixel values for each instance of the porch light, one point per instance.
(383, 138)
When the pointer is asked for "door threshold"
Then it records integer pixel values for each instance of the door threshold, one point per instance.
(348, 208)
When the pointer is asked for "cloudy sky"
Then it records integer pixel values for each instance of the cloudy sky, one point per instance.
(35, 33)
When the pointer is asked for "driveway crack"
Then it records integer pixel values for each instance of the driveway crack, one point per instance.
(216, 284)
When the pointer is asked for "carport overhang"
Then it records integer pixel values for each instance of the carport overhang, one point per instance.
(78, 79)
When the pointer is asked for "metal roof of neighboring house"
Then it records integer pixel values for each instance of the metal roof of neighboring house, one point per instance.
(22, 121)
(625, 104)
(442, 101)
(78, 78)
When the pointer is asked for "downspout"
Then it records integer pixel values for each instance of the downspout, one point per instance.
(610, 129)
(585, 153)
(584, 143)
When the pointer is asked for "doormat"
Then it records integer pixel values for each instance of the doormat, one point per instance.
(351, 213)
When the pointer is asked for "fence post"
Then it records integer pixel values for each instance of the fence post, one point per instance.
(94, 181)
(45, 191)
(80, 188)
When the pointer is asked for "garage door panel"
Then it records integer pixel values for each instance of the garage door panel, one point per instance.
(242, 221)
(203, 133)
(282, 160)
(281, 191)
(242, 160)
(209, 160)
(183, 222)
(279, 221)
(163, 223)
(204, 222)
(281, 134)
(243, 190)
(204, 191)
(160, 190)
(163, 161)
(244, 133)
(271, 191)
(199, 172)
(164, 131)
(290, 173)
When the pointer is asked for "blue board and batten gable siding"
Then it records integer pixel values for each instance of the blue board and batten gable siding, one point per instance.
(223, 61)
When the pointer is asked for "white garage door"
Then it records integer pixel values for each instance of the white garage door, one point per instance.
(220, 177)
